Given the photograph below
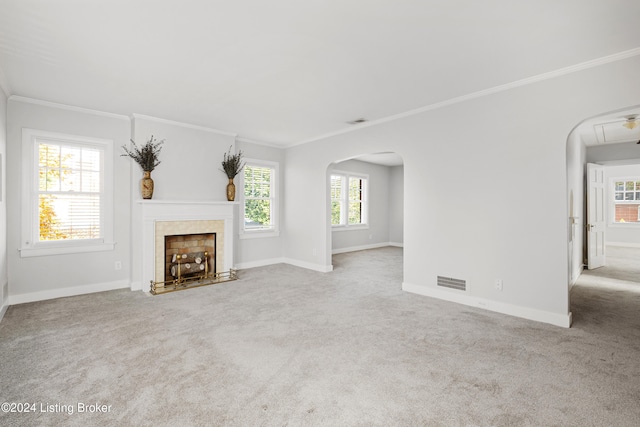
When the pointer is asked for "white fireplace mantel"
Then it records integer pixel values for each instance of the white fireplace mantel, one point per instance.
(148, 212)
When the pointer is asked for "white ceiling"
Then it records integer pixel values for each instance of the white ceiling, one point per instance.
(609, 129)
(287, 71)
(385, 159)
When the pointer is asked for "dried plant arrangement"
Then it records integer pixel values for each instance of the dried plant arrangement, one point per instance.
(147, 156)
(232, 163)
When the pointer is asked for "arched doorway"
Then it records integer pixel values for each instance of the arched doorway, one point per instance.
(365, 206)
(611, 141)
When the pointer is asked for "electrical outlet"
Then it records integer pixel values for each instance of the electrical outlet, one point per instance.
(118, 265)
(498, 285)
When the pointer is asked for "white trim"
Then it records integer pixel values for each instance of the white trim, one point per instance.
(184, 125)
(253, 141)
(151, 211)
(260, 263)
(78, 248)
(396, 244)
(577, 276)
(29, 245)
(3, 310)
(258, 234)
(308, 265)
(624, 244)
(273, 231)
(67, 292)
(345, 201)
(563, 320)
(347, 227)
(284, 260)
(67, 107)
(485, 92)
(361, 248)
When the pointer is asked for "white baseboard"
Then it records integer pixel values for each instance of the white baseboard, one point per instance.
(308, 265)
(3, 310)
(563, 320)
(364, 247)
(624, 244)
(396, 244)
(67, 292)
(574, 279)
(260, 263)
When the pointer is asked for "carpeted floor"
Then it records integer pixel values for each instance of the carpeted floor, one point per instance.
(287, 346)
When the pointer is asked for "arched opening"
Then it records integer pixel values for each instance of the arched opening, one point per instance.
(604, 226)
(365, 211)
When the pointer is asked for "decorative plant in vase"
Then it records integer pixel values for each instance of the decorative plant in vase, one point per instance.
(231, 166)
(147, 156)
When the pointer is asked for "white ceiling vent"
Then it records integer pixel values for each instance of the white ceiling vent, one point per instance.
(449, 282)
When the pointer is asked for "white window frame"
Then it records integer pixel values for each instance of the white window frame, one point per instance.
(274, 230)
(30, 228)
(612, 202)
(344, 213)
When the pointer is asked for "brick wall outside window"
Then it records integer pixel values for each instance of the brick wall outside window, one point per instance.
(627, 212)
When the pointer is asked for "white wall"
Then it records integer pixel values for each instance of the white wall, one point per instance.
(377, 232)
(4, 280)
(49, 276)
(396, 205)
(191, 157)
(576, 159)
(485, 199)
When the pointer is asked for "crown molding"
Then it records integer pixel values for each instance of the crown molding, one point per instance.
(67, 107)
(184, 125)
(485, 92)
(253, 141)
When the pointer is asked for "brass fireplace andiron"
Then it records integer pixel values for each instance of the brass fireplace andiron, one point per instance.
(158, 288)
(182, 269)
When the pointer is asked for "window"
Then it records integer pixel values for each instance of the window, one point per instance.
(67, 199)
(626, 200)
(260, 201)
(348, 200)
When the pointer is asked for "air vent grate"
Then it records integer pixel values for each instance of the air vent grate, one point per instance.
(449, 282)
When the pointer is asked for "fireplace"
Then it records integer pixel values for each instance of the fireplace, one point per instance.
(159, 219)
(189, 255)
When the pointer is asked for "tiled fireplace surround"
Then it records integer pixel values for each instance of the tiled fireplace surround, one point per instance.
(159, 218)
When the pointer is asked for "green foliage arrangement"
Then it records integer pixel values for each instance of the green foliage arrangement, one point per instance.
(232, 164)
(146, 156)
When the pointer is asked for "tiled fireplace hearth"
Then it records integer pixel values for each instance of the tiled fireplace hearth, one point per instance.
(158, 219)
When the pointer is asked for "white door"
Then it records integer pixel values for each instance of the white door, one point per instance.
(595, 216)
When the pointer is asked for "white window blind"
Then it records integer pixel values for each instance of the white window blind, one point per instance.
(260, 199)
(349, 205)
(69, 191)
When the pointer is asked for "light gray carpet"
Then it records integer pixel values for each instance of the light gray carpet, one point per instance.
(286, 346)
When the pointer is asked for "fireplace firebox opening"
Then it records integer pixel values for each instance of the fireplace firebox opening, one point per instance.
(189, 255)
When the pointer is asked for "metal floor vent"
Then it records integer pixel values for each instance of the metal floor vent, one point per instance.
(449, 282)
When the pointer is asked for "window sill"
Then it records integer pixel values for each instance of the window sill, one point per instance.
(349, 227)
(62, 250)
(256, 234)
